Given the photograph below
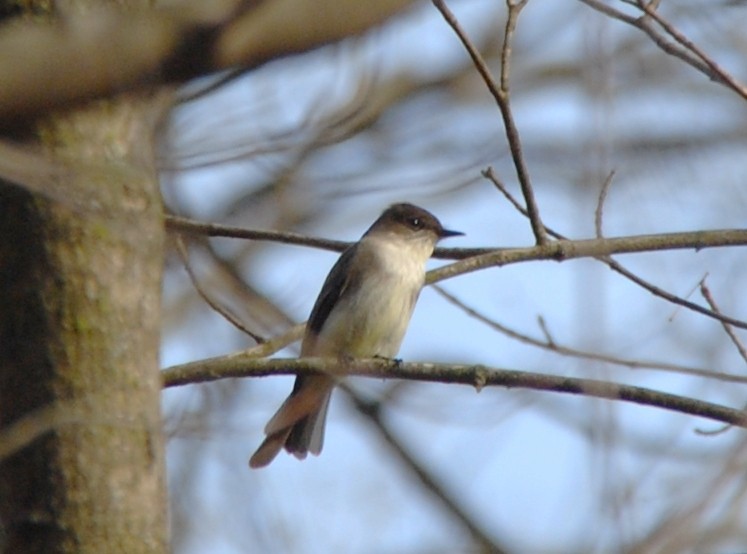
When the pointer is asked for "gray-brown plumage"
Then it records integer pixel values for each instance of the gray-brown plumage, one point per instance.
(362, 311)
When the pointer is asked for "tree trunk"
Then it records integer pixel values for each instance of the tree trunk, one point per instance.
(79, 338)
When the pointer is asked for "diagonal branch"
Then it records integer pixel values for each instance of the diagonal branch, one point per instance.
(372, 412)
(614, 265)
(706, 292)
(714, 70)
(226, 313)
(552, 346)
(672, 41)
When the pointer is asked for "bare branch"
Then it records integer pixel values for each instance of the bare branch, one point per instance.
(479, 258)
(227, 315)
(551, 345)
(716, 71)
(543, 327)
(185, 225)
(617, 267)
(372, 412)
(599, 212)
(672, 41)
(591, 248)
(494, 256)
(502, 98)
(273, 345)
(705, 291)
(478, 376)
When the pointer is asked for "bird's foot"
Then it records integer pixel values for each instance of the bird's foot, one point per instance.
(396, 361)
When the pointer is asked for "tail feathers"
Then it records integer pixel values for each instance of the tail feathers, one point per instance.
(308, 434)
(298, 424)
(268, 449)
(307, 397)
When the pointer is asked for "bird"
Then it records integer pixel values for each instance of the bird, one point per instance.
(362, 311)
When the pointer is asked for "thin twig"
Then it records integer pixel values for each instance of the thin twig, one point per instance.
(690, 292)
(599, 212)
(607, 10)
(512, 18)
(682, 48)
(644, 24)
(705, 291)
(550, 344)
(540, 321)
(227, 315)
(617, 267)
(190, 226)
(273, 345)
(715, 69)
(185, 225)
(720, 430)
(502, 98)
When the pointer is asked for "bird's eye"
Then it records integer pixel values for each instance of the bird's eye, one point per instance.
(416, 222)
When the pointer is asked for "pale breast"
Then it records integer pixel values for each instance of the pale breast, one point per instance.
(372, 320)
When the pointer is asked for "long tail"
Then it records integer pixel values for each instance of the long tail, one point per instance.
(299, 422)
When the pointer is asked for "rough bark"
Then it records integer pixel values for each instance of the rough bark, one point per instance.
(79, 332)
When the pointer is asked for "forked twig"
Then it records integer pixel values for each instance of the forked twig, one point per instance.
(615, 266)
(672, 41)
(550, 344)
(502, 98)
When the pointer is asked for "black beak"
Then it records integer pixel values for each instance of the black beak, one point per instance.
(444, 233)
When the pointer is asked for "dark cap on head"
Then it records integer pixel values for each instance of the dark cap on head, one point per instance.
(410, 217)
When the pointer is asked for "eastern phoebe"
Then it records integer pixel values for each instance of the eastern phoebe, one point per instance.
(362, 312)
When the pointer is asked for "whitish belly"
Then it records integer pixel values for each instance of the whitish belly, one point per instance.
(373, 321)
